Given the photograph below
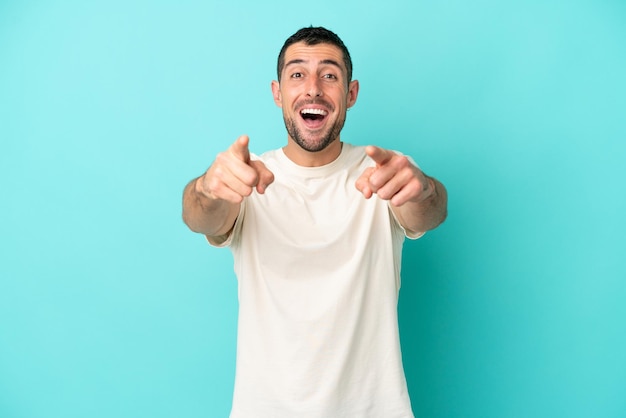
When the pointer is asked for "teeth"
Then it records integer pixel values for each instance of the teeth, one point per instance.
(314, 112)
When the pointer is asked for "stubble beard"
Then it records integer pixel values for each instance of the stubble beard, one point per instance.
(313, 145)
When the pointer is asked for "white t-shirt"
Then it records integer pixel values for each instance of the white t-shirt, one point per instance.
(318, 270)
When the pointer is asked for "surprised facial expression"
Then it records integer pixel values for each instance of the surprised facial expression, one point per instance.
(314, 94)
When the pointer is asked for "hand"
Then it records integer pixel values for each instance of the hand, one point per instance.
(394, 178)
(233, 176)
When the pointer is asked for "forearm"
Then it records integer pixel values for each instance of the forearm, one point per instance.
(211, 217)
(426, 214)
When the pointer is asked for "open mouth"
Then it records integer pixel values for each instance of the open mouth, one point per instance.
(313, 117)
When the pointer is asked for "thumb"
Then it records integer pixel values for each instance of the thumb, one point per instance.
(239, 148)
(266, 177)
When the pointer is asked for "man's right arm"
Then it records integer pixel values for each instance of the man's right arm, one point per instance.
(211, 202)
(211, 217)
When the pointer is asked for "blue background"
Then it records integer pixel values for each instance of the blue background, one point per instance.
(110, 307)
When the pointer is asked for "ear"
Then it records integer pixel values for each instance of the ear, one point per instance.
(276, 93)
(353, 92)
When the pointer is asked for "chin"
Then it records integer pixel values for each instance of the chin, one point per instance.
(312, 141)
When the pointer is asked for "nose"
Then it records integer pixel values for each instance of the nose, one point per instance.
(314, 88)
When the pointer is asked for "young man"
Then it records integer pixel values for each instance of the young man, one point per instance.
(316, 229)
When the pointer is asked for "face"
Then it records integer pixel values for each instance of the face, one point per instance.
(314, 94)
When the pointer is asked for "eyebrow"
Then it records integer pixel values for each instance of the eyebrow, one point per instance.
(325, 62)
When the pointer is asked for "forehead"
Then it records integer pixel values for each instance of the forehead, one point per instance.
(314, 54)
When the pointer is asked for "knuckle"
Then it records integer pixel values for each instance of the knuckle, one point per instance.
(246, 192)
(218, 171)
(404, 160)
(413, 188)
(376, 180)
(384, 194)
(218, 188)
(221, 158)
(250, 178)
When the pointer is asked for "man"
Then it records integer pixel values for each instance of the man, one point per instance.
(316, 230)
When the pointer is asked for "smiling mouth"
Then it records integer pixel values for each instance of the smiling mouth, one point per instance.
(313, 115)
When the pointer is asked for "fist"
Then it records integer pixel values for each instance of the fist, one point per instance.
(394, 178)
(233, 176)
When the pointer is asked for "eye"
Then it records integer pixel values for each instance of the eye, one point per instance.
(329, 76)
(296, 75)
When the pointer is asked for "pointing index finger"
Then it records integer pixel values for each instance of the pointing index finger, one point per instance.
(239, 148)
(379, 155)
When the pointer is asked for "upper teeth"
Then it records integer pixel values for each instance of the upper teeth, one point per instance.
(314, 111)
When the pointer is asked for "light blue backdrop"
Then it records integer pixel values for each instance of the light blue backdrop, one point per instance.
(109, 307)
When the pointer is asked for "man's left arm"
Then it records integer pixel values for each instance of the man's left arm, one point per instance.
(419, 202)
